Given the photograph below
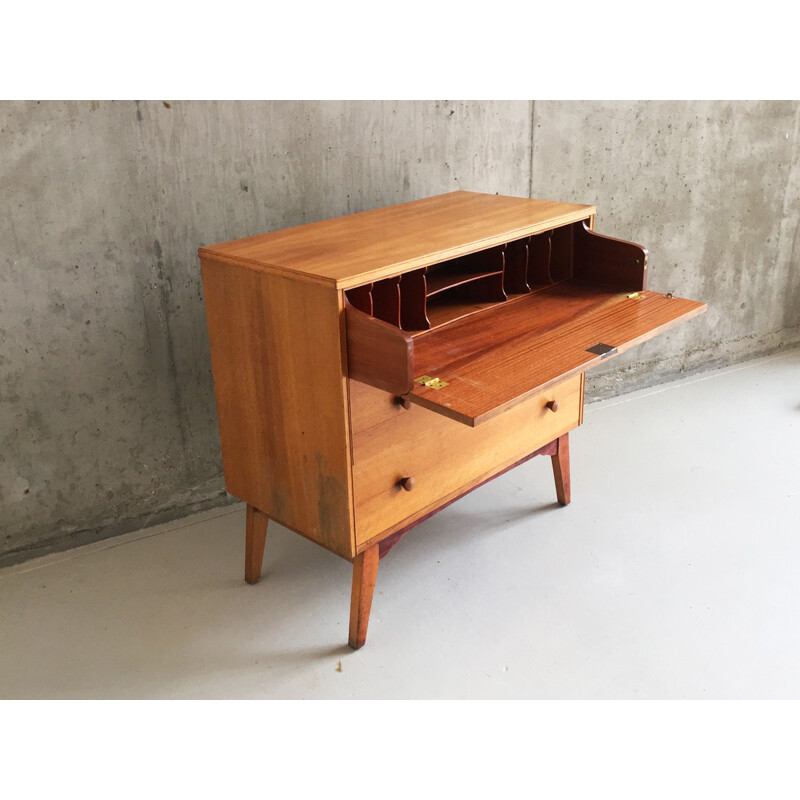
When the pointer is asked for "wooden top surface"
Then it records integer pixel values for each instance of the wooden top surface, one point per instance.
(532, 343)
(360, 248)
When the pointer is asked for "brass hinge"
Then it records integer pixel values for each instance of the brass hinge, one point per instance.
(634, 296)
(431, 383)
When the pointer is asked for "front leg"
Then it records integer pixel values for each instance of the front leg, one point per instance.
(561, 469)
(365, 571)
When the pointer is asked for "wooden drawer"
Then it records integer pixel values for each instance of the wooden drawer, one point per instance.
(443, 456)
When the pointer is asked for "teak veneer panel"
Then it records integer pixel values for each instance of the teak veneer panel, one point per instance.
(539, 340)
(443, 456)
(359, 248)
(275, 343)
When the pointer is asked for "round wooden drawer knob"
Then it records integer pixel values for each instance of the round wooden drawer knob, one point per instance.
(402, 401)
(552, 405)
(407, 483)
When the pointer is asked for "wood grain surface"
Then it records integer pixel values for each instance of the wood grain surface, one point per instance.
(378, 353)
(442, 455)
(360, 248)
(604, 259)
(365, 573)
(256, 525)
(534, 342)
(277, 356)
(561, 470)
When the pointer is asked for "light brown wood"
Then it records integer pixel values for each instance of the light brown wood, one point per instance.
(361, 248)
(442, 455)
(391, 536)
(278, 364)
(305, 323)
(255, 538)
(365, 572)
(561, 470)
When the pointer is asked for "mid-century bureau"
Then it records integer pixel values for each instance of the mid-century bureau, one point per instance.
(371, 369)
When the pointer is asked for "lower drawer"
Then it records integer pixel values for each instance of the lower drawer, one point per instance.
(442, 456)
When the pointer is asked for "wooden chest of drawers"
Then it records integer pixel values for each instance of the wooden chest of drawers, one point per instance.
(370, 369)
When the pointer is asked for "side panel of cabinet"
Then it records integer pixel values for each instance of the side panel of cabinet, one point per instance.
(277, 355)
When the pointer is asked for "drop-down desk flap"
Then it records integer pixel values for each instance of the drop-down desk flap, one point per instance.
(478, 366)
(523, 348)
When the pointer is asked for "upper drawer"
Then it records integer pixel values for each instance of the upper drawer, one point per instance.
(473, 336)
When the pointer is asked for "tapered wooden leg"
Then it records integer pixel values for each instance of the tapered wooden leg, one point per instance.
(365, 571)
(255, 538)
(561, 469)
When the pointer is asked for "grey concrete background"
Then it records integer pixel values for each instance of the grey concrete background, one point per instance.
(107, 418)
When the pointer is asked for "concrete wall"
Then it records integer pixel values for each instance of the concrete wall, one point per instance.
(107, 418)
(712, 189)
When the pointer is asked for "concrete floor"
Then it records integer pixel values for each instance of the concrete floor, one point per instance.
(673, 574)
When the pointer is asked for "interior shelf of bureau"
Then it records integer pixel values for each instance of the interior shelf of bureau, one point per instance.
(458, 273)
(439, 294)
(468, 340)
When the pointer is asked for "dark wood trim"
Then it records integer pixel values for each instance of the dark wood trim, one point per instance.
(378, 353)
(561, 469)
(609, 261)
